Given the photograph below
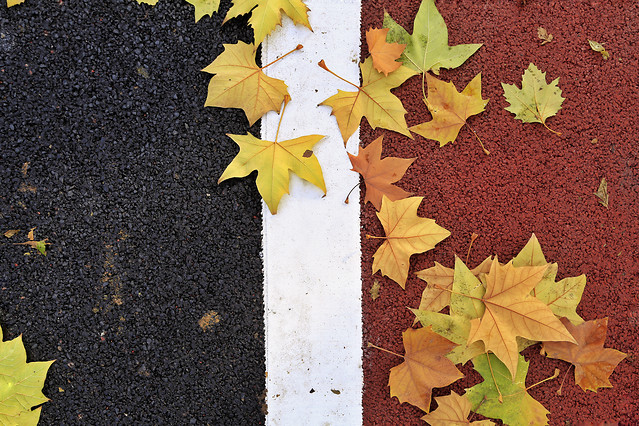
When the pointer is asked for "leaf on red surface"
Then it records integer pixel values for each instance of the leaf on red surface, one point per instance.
(379, 175)
(593, 363)
(425, 367)
(452, 409)
(384, 54)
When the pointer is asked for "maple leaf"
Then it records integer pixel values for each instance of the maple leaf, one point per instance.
(372, 100)
(425, 367)
(15, 2)
(379, 175)
(273, 162)
(452, 409)
(593, 363)
(561, 297)
(267, 14)
(427, 48)
(384, 54)
(22, 384)
(239, 83)
(450, 109)
(204, 7)
(465, 291)
(501, 397)
(536, 101)
(511, 311)
(406, 234)
(436, 295)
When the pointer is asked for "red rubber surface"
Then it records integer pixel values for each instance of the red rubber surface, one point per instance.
(533, 181)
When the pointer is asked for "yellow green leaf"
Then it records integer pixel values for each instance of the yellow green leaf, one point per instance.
(267, 14)
(204, 7)
(273, 162)
(239, 83)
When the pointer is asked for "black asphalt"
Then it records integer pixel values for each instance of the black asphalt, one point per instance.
(104, 100)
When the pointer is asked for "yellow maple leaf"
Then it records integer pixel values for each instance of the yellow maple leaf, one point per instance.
(406, 234)
(372, 100)
(273, 162)
(450, 109)
(204, 7)
(267, 14)
(511, 311)
(14, 2)
(239, 83)
(384, 54)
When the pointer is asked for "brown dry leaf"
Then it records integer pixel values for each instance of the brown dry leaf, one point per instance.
(11, 232)
(512, 311)
(602, 192)
(598, 47)
(593, 363)
(41, 245)
(375, 289)
(440, 279)
(452, 409)
(406, 234)
(544, 36)
(384, 54)
(379, 175)
(425, 367)
(25, 168)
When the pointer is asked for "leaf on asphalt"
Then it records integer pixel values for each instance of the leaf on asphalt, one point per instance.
(427, 48)
(22, 384)
(425, 367)
(267, 14)
(598, 47)
(544, 36)
(501, 397)
(406, 234)
(536, 101)
(379, 175)
(11, 232)
(561, 297)
(274, 161)
(602, 193)
(465, 292)
(450, 109)
(593, 363)
(239, 83)
(452, 409)
(204, 7)
(372, 100)
(511, 311)
(384, 54)
(439, 280)
(40, 245)
(151, 2)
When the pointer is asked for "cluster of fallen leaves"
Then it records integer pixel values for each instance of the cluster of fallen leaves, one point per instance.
(494, 311)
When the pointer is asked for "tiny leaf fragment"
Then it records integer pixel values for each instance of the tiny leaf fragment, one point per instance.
(602, 193)
(598, 47)
(544, 36)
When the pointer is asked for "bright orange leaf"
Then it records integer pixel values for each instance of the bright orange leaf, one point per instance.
(593, 363)
(379, 175)
(512, 311)
(384, 54)
(450, 109)
(425, 367)
(406, 234)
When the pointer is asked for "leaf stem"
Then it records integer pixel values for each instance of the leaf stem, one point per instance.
(322, 65)
(287, 99)
(492, 373)
(423, 87)
(473, 237)
(368, 237)
(370, 345)
(480, 142)
(349, 192)
(555, 132)
(298, 47)
(554, 376)
(484, 399)
(564, 379)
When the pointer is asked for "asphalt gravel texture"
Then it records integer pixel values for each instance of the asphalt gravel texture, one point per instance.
(150, 296)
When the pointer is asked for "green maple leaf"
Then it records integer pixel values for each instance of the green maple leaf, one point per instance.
(536, 100)
(456, 326)
(518, 407)
(561, 297)
(204, 7)
(427, 48)
(20, 384)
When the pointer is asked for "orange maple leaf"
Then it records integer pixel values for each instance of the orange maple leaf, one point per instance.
(512, 311)
(379, 175)
(406, 234)
(450, 109)
(384, 54)
(425, 367)
(452, 409)
(593, 363)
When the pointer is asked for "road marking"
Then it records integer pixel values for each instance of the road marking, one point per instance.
(312, 279)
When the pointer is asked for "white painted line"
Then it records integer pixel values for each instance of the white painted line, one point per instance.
(311, 247)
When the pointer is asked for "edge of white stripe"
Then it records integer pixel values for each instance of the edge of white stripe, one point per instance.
(312, 275)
